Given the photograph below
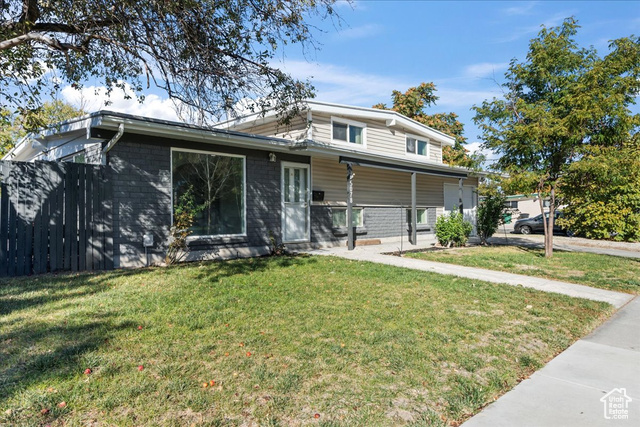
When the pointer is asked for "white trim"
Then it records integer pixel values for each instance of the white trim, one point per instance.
(306, 166)
(309, 125)
(244, 191)
(348, 122)
(391, 118)
(417, 138)
(425, 209)
(344, 208)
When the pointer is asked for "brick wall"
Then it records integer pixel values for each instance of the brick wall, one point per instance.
(141, 168)
(379, 223)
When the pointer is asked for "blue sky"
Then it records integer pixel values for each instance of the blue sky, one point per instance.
(463, 47)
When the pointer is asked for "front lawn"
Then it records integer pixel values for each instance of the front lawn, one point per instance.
(280, 341)
(599, 271)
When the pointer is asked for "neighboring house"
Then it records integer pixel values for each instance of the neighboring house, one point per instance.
(255, 179)
(525, 206)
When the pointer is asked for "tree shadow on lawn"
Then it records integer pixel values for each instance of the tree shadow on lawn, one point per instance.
(216, 270)
(58, 351)
(49, 288)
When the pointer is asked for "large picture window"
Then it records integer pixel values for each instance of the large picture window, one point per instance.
(217, 184)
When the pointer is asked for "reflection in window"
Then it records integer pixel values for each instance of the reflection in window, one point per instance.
(217, 182)
(348, 133)
(339, 217)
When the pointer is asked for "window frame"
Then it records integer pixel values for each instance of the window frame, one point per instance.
(349, 123)
(342, 208)
(192, 237)
(415, 153)
(72, 158)
(426, 216)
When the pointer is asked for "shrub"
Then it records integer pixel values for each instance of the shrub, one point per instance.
(489, 216)
(452, 229)
(183, 217)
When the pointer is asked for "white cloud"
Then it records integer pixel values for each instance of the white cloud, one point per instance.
(484, 69)
(344, 85)
(360, 32)
(522, 9)
(476, 148)
(93, 98)
(458, 98)
(534, 29)
(349, 4)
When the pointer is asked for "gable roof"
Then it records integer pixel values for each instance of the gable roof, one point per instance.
(390, 118)
(101, 126)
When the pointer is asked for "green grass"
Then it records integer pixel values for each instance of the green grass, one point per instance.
(599, 271)
(354, 342)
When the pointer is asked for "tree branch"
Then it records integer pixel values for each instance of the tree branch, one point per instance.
(41, 38)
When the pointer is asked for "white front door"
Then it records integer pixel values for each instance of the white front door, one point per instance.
(295, 202)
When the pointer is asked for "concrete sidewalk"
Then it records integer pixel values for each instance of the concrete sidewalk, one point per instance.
(568, 390)
(570, 244)
(375, 254)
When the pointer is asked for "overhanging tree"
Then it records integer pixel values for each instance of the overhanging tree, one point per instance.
(557, 103)
(206, 54)
(15, 126)
(413, 104)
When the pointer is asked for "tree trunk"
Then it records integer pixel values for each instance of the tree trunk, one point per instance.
(547, 222)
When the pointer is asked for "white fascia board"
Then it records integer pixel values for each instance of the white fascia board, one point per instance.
(188, 133)
(322, 149)
(391, 118)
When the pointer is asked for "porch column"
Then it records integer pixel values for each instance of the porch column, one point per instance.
(414, 211)
(460, 207)
(350, 228)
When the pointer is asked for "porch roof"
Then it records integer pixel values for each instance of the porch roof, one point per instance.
(402, 168)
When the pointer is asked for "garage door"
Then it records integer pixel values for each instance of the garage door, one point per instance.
(469, 202)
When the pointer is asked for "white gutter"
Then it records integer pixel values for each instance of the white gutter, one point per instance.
(111, 143)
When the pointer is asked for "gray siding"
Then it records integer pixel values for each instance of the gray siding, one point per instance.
(379, 223)
(142, 197)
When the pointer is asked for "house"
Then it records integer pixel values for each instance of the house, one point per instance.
(525, 205)
(254, 179)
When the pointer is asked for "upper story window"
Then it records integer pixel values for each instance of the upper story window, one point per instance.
(348, 131)
(417, 146)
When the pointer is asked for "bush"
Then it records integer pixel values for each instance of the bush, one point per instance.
(489, 216)
(183, 217)
(452, 229)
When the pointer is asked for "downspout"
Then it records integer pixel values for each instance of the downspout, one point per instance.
(111, 143)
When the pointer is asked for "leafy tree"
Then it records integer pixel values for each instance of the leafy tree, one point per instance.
(490, 213)
(206, 54)
(602, 193)
(560, 101)
(413, 104)
(16, 126)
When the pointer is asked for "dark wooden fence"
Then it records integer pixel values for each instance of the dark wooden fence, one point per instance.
(54, 217)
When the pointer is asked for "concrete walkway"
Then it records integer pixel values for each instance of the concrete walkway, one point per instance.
(570, 244)
(375, 253)
(568, 390)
